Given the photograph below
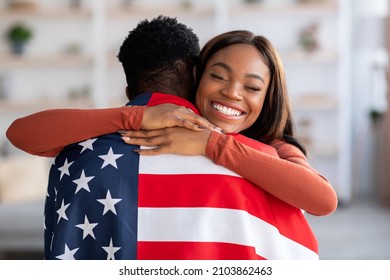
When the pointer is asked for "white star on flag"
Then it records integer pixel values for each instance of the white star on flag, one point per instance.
(65, 168)
(82, 182)
(68, 254)
(111, 250)
(61, 211)
(109, 203)
(110, 158)
(87, 228)
(87, 144)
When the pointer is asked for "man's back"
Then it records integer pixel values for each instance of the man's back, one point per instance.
(106, 201)
(90, 191)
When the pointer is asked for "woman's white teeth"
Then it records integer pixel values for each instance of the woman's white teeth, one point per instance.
(226, 110)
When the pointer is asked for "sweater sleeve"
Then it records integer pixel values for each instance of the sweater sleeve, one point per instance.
(47, 132)
(289, 177)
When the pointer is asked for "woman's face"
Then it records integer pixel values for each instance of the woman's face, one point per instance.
(233, 87)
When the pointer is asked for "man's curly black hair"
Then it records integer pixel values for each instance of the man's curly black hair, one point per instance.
(159, 55)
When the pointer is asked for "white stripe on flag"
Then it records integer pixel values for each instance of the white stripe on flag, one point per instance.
(177, 164)
(218, 225)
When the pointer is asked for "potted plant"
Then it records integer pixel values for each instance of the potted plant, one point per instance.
(18, 35)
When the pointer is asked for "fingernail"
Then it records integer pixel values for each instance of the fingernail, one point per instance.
(126, 139)
(122, 131)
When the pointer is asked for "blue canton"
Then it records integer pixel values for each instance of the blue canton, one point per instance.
(91, 203)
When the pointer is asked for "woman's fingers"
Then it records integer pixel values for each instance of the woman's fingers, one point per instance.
(170, 115)
(175, 140)
(197, 123)
(142, 133)
(194, 124)
(148, 142)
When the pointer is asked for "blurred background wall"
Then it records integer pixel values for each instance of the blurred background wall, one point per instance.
(335, 53)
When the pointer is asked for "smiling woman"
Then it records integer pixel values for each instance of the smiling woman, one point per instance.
(233, 87)
(256, 64)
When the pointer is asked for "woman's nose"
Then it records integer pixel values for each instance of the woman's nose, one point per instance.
(232, 91)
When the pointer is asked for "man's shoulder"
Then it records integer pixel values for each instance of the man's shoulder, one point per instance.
(157, 98)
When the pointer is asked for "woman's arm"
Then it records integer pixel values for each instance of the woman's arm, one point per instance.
(290, 177)
(46, 133)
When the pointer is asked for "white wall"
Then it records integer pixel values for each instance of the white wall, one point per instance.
(369, 87)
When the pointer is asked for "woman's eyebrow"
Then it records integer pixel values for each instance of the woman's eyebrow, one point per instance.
(223, 65)
(255, 76)
(228, 68)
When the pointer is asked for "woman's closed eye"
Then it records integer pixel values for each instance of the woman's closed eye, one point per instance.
(253, 88)
(217, 76)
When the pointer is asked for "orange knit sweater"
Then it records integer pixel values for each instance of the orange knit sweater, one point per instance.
(289, 177)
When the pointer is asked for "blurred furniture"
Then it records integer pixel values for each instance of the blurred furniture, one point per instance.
(23, 183)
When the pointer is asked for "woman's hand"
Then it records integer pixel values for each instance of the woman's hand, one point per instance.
(174, 140)
(170, 115)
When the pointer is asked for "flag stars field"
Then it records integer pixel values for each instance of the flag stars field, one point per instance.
(68, 254)
(87, 228)
(110, 158)
(82, 182)
(109, 203)
(65, 168)
(61, 212)
(87, 144)
(111, 250)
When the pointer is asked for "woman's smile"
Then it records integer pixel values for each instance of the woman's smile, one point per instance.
(233, 87)
(227, 110)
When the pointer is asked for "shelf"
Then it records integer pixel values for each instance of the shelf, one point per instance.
(13, 61)
(301, 56)
(65, 14)
(146, 12)
(295, 9)
(315, 102)
(7, 106)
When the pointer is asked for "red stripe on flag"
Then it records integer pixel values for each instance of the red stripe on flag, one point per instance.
(221, 191)
(195, 251)
(203, 190)
(291, 223)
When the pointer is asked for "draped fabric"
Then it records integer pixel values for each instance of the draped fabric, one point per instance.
(106, 202)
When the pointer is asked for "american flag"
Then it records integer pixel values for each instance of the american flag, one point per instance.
(106, 202)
